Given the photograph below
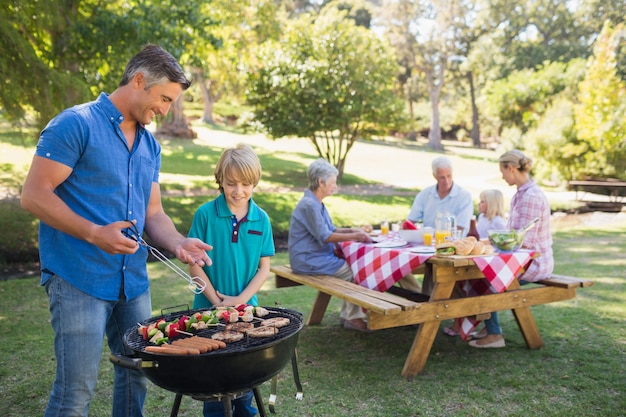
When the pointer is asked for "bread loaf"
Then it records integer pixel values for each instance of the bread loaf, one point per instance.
(463, 246)
(478, 248)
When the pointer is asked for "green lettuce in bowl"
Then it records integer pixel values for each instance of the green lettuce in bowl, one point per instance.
(505, 241)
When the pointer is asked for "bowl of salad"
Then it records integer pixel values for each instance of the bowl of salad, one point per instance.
(505, 241)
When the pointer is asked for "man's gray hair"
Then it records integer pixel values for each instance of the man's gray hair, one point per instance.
(157, 66)
(320, 169)
(441, 162)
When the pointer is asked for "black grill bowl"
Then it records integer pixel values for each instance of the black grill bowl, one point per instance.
(242, 365)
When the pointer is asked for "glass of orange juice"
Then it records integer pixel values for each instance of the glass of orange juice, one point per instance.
(384, 227)
(428, 236)
(441, 235)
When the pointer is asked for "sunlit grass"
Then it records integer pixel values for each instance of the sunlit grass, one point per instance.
(580, 371)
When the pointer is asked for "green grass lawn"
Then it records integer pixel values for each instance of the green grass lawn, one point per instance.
(580, 371)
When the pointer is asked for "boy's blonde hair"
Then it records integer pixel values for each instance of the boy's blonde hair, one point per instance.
(495, 203)
(240, 163)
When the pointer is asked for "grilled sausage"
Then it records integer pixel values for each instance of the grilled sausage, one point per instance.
(193, 343)
(172, 350)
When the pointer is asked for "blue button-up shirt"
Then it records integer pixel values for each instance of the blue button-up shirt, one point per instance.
(309, 228)
(427, 204)
(108, 183)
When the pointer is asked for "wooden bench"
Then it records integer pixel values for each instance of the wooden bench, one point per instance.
(563, 281)
(381, 303)
(387, 310)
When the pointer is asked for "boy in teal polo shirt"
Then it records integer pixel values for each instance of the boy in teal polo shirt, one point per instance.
(241, 235)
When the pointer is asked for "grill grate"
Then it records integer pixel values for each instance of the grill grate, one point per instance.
(135, 341)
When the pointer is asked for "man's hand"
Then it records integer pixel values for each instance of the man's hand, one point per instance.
(193, 251)
(110, 239)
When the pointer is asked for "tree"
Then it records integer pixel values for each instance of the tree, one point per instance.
(593, 14)
(522, 98)
(396, 20)
(327, 80)
(178, 27)
(427, 33)
(57, 54)
(220, 67)
(532, 32)
(36, 73)
(601, 112)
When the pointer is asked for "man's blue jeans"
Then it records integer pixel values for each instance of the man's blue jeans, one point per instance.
(80, 323)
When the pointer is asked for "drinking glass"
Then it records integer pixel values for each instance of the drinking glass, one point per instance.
(384, 228)
(428, 236)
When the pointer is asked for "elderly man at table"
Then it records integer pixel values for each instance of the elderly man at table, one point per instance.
(443, 197)
(313, 237)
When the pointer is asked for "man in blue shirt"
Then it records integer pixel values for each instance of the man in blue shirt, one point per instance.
(95, 171)
(444, 197)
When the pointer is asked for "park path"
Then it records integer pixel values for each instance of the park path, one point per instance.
(400, 165)
(391, 164)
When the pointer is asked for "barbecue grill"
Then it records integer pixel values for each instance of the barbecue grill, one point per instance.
(222, 374)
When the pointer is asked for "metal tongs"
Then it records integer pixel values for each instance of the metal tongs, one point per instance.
(529, 226)
(195, 284)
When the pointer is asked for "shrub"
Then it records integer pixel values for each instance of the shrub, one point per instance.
(19, 234)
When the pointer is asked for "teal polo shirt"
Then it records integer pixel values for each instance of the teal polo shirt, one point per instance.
(237, 246)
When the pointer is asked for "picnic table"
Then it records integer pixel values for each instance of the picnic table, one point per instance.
(377, 269)
(614, 189)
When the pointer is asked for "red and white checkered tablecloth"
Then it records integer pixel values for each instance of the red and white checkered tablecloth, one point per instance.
(380, 268)
(499, 270)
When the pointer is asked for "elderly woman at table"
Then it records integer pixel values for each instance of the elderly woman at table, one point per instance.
(313, 238)
(529, 202)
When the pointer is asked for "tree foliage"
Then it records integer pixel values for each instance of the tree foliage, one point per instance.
(220, 67)
(327, 80)
(601, 112)
(523, 97)
(531, 32)
(535, 108)
(572, 117)
(57, 54)
(31, 78)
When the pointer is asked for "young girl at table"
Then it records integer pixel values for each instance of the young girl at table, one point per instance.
(490, 212)
(529, 202)
(490, 217)
(241, 235)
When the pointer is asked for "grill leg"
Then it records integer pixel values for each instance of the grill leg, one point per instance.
(259, 401)
(176, 405)
(296, 374)
(228, 406)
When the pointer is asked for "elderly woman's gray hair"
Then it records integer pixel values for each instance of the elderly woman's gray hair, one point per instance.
(441, 162)
(320, 169)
